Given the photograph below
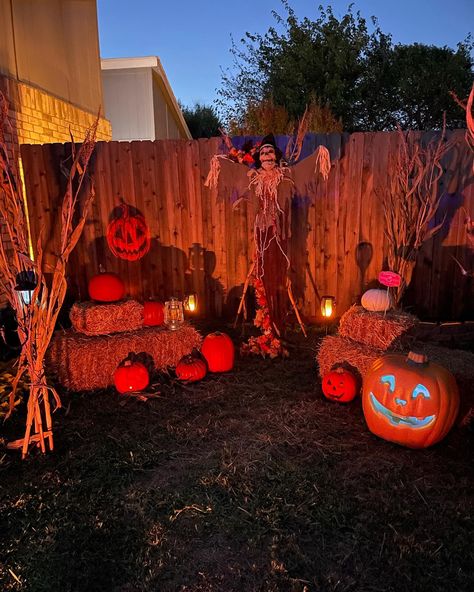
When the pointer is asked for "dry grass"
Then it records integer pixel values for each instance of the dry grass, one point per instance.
(82, 362)
(249, 481)
(92, 318)
(376, 329)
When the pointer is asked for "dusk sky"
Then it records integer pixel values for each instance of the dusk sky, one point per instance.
(193, 39)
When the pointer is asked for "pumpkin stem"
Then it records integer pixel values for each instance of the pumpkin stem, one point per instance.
(417, 358)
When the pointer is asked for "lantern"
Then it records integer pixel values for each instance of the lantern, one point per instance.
(409, 400)
(328, 306)
(191, 303)
(26, 282)
(174, 315)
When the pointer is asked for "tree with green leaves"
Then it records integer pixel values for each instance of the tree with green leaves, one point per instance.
(364, 79)
(202, 121)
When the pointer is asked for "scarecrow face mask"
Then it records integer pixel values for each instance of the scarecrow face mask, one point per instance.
(267, 157)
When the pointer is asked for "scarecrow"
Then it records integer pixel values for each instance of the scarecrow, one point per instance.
(269, 187)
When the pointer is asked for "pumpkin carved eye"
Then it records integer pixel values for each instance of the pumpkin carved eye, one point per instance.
(420, 389)
(390, 380)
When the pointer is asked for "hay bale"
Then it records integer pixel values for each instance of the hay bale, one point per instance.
(376, 329)
(82, 362)
(93, 318)
(336, 350)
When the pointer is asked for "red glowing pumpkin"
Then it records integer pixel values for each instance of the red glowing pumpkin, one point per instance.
(409, 400)
(191, 369)
(339, 385)
(106, 287)
(153, 314)
(219, 352)
(131, 377)
(128, 235)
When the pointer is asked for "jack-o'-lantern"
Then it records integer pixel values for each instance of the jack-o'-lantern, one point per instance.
(191, 368)
(219, 352)
(131, 377)
(409, 400)
(339, 385)
(153, 314)
(128, 235)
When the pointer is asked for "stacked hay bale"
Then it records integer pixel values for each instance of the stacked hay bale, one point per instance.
(86, 356)
(364, 336)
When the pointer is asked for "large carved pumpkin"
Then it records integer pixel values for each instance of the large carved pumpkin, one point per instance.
(376, 300)
(106, 287)
(131, 377)
(409, 400)
(218, 350)
(128, 235)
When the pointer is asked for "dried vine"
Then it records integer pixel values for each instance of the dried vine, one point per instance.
(37, 319)
(411, 202)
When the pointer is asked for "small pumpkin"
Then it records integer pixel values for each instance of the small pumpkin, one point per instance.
(409, 400)
(191, 368)
(106, 287)
(376, 300)
(131, 377)
(153, 314)
(219, 352)
(128, 235)
(339, 385)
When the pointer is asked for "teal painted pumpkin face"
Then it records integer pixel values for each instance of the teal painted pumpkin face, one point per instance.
(409, 400)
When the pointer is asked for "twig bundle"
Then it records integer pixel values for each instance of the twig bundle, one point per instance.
(92, 318)
(376, 329)
(411, 202)
(36, 319)
(83, 363)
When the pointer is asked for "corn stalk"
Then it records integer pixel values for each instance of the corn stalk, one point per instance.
(411, 202)
(37, 320)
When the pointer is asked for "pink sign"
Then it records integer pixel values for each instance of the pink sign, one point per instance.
(389, 279)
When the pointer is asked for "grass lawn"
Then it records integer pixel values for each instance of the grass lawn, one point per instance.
(249, 481)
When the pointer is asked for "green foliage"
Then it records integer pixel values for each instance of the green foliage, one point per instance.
(202, 121)
(363, 79)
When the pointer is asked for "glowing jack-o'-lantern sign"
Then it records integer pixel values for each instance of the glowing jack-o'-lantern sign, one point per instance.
(128, 235)
(410, 401)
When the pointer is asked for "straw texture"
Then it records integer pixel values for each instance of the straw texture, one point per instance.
(376, 329)
(82, 362)
(92, 318)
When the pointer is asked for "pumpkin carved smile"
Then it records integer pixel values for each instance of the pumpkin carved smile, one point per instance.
(409, 400)
(400, 420)
(128, 235)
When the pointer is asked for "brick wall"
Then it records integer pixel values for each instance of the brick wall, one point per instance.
(39, 118)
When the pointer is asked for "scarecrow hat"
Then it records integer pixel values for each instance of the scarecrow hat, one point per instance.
(268, 140)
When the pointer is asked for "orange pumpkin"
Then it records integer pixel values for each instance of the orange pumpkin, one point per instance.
(191, 368)
(128, 235)
(131, 377)
(153, 314)
(339, 385)
(106, 287)
(218, 350)
(409, 400)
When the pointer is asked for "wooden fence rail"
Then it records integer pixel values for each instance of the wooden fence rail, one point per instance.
(201, 244)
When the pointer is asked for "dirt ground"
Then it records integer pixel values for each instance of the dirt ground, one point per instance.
(248, 481)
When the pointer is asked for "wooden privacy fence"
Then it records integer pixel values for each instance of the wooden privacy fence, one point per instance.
(200, 243)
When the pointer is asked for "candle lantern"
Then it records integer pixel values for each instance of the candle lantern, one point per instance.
(174, 314)
(26, 282)
(191, 303)
(328, 306)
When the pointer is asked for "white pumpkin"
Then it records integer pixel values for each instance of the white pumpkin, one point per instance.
(377, 300)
